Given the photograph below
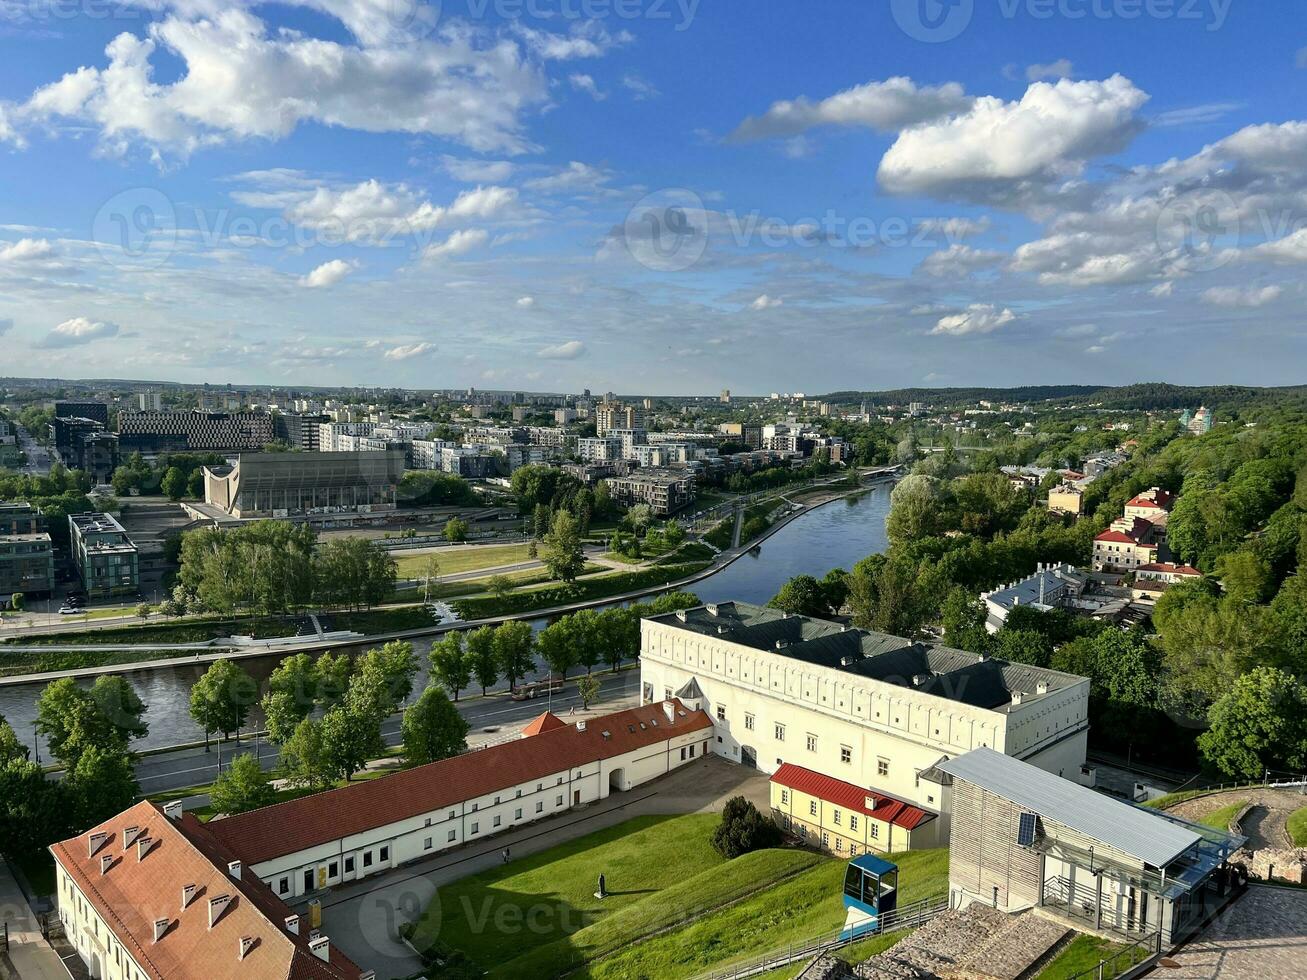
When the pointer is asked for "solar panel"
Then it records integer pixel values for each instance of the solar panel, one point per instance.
(1026, 831)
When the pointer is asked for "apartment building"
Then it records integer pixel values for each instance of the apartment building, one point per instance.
(599, 450)
(878, 712)
(152, 894)
(105, 557)
(96, 411)
(666, 491)
(1066, 498)
(366, 828)
(342, 437)
(1127, 545)
(610, 415)
(152, 433)
(298, 431)
(26, 554)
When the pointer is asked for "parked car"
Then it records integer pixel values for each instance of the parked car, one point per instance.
(67, 610)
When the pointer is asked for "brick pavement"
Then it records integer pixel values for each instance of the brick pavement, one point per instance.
(1262, 936)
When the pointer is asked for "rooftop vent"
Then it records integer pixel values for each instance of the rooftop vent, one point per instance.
(188, 893)
(580, 726)
(368, 975)
(106, 862)
(143, 847)
(174, 810)
(721, 630)
(160, 927)
(782, 644)
(129, 835)
(681, 615)
(669, 709)
(321, 948)
(920, 680)
(234, 869)
(216, 907)
(1017, 697)
(1041, 687)
(712, 608)
(95, 841)
(293, 924)
(246, 944)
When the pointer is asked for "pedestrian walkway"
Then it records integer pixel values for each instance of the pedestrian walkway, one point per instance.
(30, 954)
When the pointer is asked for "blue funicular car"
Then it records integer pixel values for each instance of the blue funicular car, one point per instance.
(871, 891)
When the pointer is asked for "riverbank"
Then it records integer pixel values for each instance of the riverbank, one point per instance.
(817, 499)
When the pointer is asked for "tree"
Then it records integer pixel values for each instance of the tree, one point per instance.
(354, 572)
(449, 664)
(34, 811)
(17, 602)
(500, 586)
(268, 566)
(619, 636)
(120, 705)
(242, 786)
(142, 610)
(102, 783)
(1022, 647)
(1259, 724)
(11, 747)
(963, 618)
(554, 645)
(433, 728)
(332, 673)
(588, 690)
(563, 555)
(173, 484)
(514, 642)
(481, 656)
(802, 595)
(743, 829)
(351, 735)
(382, 680)
(304, 756)
(916, 506)
(73, 719)
(586, 637)
(639, 517)
(430, 576)
(455, 529)
(221, 698)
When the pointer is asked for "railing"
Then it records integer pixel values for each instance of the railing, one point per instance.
(909, 916)
(1082, 903)
(1123, 960)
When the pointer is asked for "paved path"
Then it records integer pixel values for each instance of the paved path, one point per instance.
(1266, 824)
(28, 951)
(361, 919)
(1262, 936)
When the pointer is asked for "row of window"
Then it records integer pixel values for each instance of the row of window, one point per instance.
(778, 733)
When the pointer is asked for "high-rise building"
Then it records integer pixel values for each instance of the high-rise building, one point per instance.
(97, 411)
(152, 433)
(26, 553)
(105, 556)
(615, 415)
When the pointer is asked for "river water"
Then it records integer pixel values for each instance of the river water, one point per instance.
(836, 535)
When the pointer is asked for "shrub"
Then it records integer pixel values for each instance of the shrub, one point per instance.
(744, 829)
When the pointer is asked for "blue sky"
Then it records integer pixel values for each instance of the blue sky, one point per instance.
(654, 195)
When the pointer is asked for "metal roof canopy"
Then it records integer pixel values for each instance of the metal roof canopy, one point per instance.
(1150, 837)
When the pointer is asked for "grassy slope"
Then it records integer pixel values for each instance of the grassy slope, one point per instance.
(796, 910)
(554, 891)
(1220, 819)
(1085, 953)
(1298, 827)
(452, 562)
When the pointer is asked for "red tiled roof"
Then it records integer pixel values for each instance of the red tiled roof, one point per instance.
(134, 892)
(284, 828)
(1170, 568)
(850, 797)
(1160, 500)
(1118, 537)
(546, 722)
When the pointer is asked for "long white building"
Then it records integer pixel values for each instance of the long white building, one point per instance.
(875, 711)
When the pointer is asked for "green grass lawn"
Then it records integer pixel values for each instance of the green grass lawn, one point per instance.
(1085, 953)
(1298, 827)
(1220, 819)
(797, 910)
(453, 562)
(499, 915)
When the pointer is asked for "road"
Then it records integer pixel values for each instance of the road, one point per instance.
(39, 457)
(493, 719)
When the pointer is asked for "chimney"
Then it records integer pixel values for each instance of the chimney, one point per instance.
(920, 679)
(781, 644)
(188, 892)
(580, 726)
(234, 869)
(216, 908)
(96, 841)
(1016, 697)
(106, 862)
(160, 927)
(1041, 687)
(321, 948)
(669, 709)
(173, 810)
(143, 847)
(246, 944)
(129, 835)
(293, 924)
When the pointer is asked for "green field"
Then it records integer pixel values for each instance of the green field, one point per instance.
(1298, 827)
(455, 561)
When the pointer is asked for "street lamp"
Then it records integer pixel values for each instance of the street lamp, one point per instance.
(36, 743)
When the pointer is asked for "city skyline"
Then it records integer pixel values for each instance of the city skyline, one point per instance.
(472, 194)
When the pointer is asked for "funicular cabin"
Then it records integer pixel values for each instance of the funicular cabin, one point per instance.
(871, 891)
(1023, 838)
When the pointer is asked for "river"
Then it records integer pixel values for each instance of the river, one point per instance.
(835, 535)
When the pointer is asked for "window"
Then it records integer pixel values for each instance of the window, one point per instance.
(812, 807)
(825, 839)
(428, 823)
(875, 830)
(682, 753)
(474, 807)
(836, 817)
(476, 826)
(367, 859)
(283, 886)
(498, 821)
(453, 836)
(721, 712)
(518, 796)
(853, 821)
(426, 844)
(748, 722)
(517, 814)
(691, 751)
(853, 850)
(558, 801)
(780, 733)
(812, 742)
(785, 797)
(846, 754)
(540, 806)
(349, 865)
(667, 694)
(882, 767)
(385, 853)
(839, 844)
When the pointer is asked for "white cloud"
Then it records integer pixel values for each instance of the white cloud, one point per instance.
(26, 250)
(640, 89)
(526, 302)
(568, 351)
(240, 80)
(1236, 297)
(1196, 115)
(977, 318)
(893, 104)
(477, 171)
(1083, 259)
(576, 176)
(765, 302)
(959, 260)
(955, 229)
(459, 243)
(1062, 68)
(375, 212)
(78, 331)
(1289, 250)
(584, 83)
(995, 146)
(587, 39)
(1162, 290)
(406, 351)
(327, 274)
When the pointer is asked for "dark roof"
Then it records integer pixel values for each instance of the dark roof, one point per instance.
(945, 672)
(284, 828)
